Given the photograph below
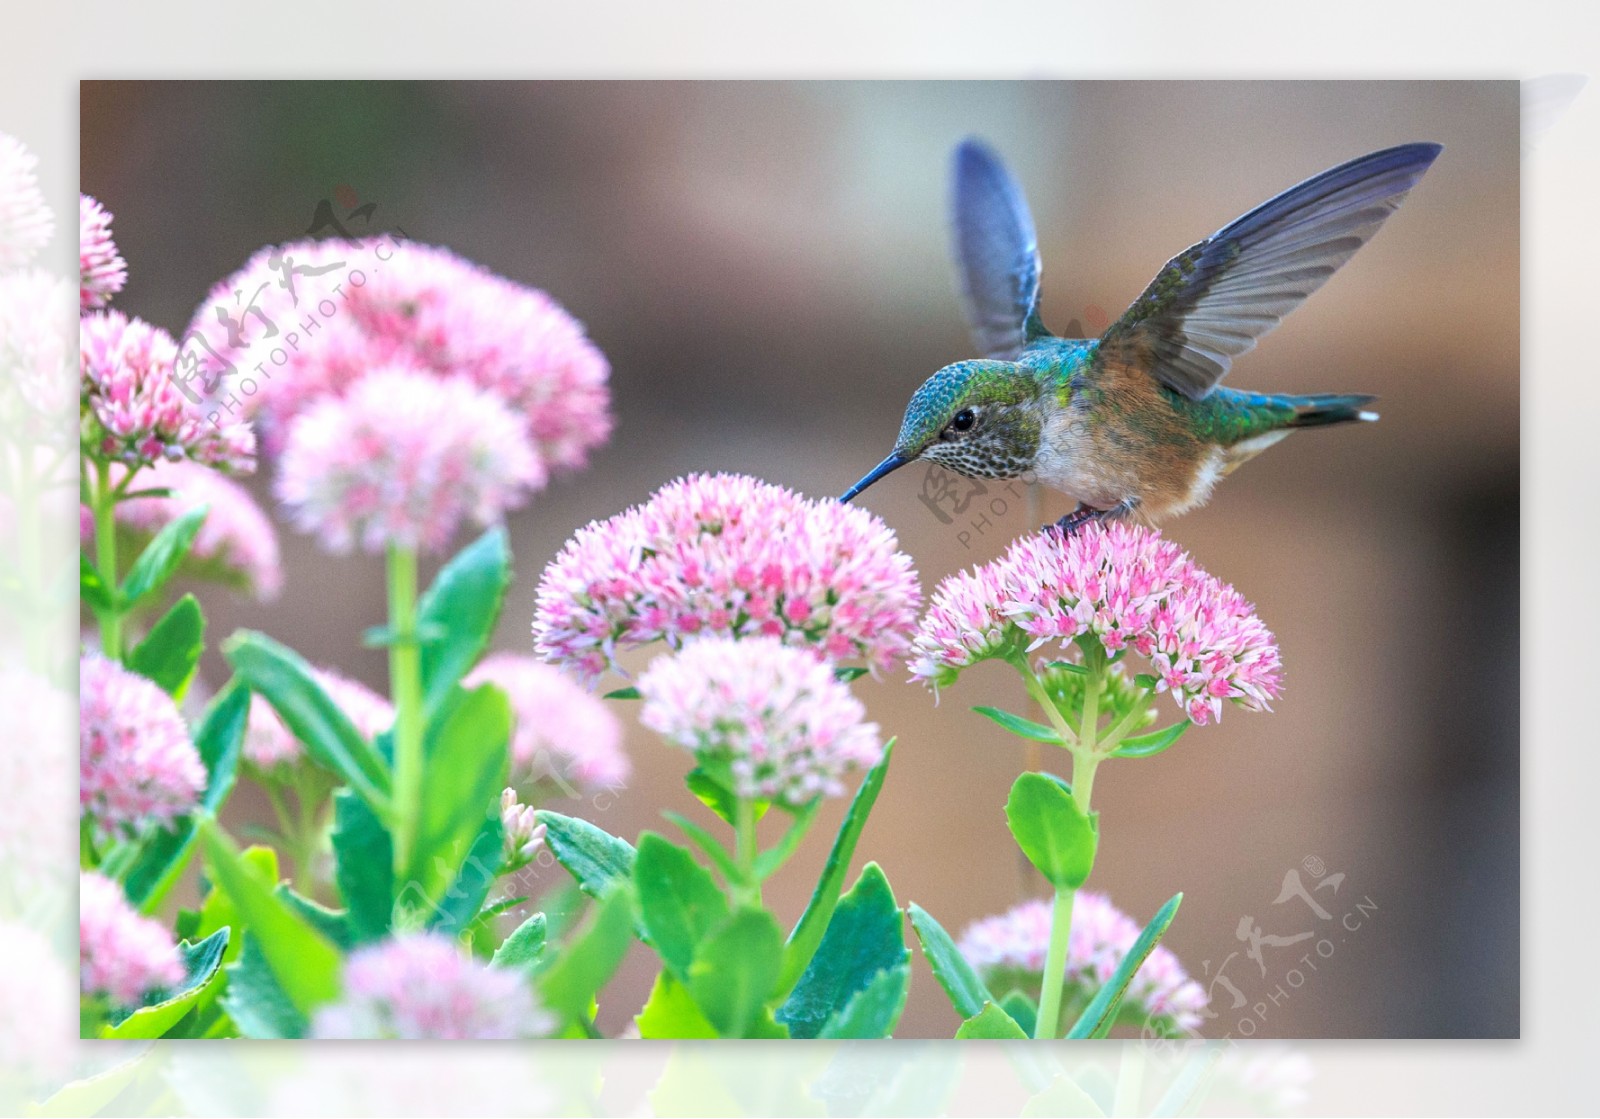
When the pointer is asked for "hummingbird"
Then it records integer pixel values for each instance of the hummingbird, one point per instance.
(1134, 424)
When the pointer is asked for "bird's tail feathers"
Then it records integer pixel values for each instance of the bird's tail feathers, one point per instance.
(1328, 408)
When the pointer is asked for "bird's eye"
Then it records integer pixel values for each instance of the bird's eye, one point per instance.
(963, 420)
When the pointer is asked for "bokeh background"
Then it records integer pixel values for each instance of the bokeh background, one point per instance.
(764, 265)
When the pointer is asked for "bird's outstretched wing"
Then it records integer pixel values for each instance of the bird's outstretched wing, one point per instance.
(1213, 300)
(996, 252)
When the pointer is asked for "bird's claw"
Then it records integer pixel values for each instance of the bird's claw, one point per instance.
(1083, 514)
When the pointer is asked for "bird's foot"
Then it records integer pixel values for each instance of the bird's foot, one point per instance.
(1083, 514)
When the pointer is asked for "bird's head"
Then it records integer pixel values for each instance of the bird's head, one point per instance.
(978, 418)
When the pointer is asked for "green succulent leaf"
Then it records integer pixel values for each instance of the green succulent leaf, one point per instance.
(282, 677)
(304, 961)
(772, 859)
(1022, 728)
(161, 557)
(170, 652)
(1053, 832)
(1062, 1096)
(92, 589)
(596, 859)
(623, 693)
(863, 939)
(201, 965)
(524, 948)
(679, 902)
(466, 745)
(670, 1014)
(462, 607)
(1101, 1013)
(874, 1011)
(813, 923)
(990, 1024)
(165, 854)
(256, 1000)
(463, 900)
(363, 867)
(849, 673)
(712, 790)
(1022, 1010)
(586, 963)
(966, 991)
(708, 845)
(1149, 745)
(735, 970)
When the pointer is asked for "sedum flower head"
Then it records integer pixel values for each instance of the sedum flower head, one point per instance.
(269, 744)
(236, 542)
(727, 554)
(775, 716)
(562, 731)
(101, 270)
(1121, 585)
(424, 308)
(421, 986)
(136, 763)
(122, 955)
(404, 458)
(1008, 952)
(25, 221)
(521, 830)
(132, 411)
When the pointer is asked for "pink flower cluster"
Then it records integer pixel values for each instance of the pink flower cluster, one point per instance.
(25, 220)
(421, 986)
(728, 554)
(521, 830)
(121, 954)
(396, 303)
(786, 728)
(136, 762)
(1009, 951)
(101, 270)
(132, 410)
(269, 744)
(403, 458)
(1126, 587)
(236, 541)
(562, 731)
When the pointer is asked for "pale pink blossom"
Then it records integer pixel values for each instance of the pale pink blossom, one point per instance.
(37, 1018)
(562, 732)
(133, 412)
(404, 458)
(727, 554)
(775, 716)
(136, 762)
(37, 326)
(101, 270)
(521, 829)
(1008, 952)
(25, 220)
(422, 986)
(38, 717)
(1125, 587)
(269, 744)
(122, 955)
(390, 302)
(236, 542)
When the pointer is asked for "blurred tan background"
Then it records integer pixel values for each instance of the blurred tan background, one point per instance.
(764, 265)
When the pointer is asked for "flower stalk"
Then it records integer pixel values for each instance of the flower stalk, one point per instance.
(405, 689)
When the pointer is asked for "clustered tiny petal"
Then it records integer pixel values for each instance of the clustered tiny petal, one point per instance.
(101, 270)
(392, 302)
(523, 833)
(25, 220)
(236, 540)
(404, 458)
(562, 732)
(132, 411)
(787, 729)
(269, 744)
(137, 764)
(728, 554)
(421, 986)
(122, 954)
(1008, 951)
(1125, 586)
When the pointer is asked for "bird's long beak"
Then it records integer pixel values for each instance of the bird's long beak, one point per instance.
(894, 462)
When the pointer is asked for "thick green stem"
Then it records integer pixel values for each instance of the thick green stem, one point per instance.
(405, 688)
(748, 890)
(105, 543)
(1048, 1024)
